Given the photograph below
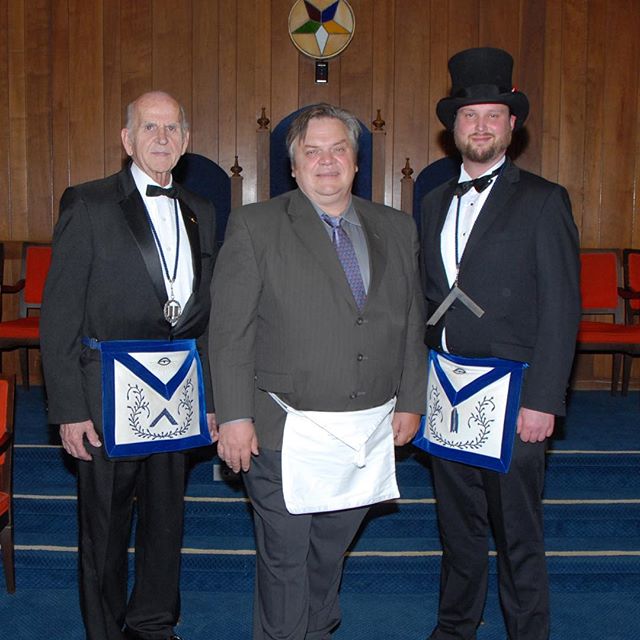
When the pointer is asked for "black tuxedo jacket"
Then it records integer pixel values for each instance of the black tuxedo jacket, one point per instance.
(284, 319)
(106, 282)
(521, 265)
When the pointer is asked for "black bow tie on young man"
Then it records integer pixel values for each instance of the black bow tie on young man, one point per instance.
(154, 190)
(480, 184)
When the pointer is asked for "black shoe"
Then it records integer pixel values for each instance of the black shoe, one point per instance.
(130, 635)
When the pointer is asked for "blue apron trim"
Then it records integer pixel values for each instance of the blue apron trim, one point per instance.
(92, 343)
(498, 371)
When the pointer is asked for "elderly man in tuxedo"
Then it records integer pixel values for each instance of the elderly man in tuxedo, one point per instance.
(131, 261)
(318, 367)
(506, 239)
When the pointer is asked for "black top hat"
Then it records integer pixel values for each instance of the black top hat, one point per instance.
(478, 76)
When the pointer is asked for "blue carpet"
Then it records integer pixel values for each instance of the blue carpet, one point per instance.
(38, 613)
(592, 528)
(568, 475)
(389, 527)
(596, 420)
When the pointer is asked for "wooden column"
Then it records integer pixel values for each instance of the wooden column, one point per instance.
(263, 165)
(406, 189)
(236, 185)
(378, 136)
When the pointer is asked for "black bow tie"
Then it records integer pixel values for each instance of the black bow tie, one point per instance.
(153, 191)
(480, 184)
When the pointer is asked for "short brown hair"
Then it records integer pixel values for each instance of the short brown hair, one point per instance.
(298, 128)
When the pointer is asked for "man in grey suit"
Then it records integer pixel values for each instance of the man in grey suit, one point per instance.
(127, 265)
(319, 330)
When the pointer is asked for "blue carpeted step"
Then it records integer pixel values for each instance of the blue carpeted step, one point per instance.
(595, 476)
(593, 542)
(575, 476)
(364, 573)
(42, 469)
(370, 616)
(411, 574)
(46, 469)
(595, 420)
(224, 524)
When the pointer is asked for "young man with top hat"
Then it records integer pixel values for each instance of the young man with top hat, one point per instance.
(506, 239)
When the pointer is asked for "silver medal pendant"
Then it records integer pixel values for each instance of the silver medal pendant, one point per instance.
(172, 311)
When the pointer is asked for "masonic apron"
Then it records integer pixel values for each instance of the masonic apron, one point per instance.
(337, 460)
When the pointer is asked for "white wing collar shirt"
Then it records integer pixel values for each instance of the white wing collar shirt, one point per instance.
(471, 204)
(162, 214)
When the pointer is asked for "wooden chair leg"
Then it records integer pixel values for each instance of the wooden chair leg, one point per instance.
(24, 367)
(6, 541)
(615, 372)
(626, 373)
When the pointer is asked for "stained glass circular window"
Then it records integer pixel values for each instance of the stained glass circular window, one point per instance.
(321, 28)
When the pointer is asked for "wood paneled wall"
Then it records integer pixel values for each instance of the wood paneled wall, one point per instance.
(69, 67)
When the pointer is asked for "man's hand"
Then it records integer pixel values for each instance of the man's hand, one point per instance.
(237, 440)
(212, 425)
(534, 426)
(72, 435)
(404, 427)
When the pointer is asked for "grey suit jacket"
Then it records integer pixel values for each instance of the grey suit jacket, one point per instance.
(285, 320)
(106, 282)
(521, 265)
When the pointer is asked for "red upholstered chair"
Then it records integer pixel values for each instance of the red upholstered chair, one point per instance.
(24, 332)
(6, 457)
(1, 273)
(600, 281)
(631, 295)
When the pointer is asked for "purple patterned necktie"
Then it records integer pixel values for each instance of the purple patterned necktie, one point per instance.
(347, 256)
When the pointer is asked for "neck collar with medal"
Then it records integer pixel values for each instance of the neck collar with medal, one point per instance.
(172, 309)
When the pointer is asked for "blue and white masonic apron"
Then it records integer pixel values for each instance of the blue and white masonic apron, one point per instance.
(472, 409)
(337, 460)
(152, 396)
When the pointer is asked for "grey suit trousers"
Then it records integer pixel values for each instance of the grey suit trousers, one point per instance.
(299, 559)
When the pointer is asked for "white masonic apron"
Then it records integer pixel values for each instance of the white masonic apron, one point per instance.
(152, 396)
(472, 409)
(333, 460)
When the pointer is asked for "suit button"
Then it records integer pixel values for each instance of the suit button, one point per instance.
(360, 357)
(359, 321)
(353, 396)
